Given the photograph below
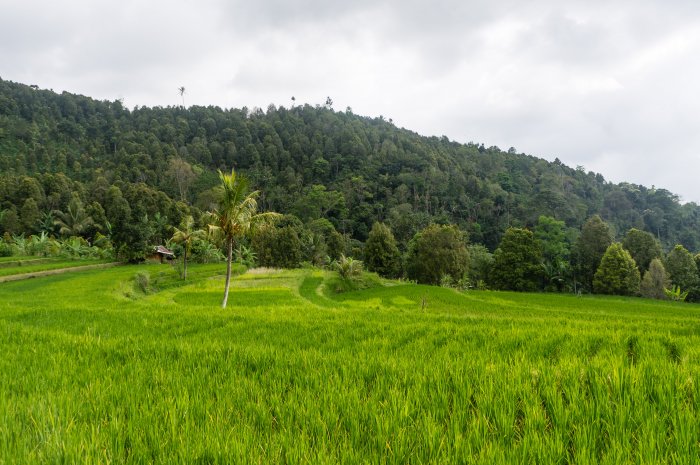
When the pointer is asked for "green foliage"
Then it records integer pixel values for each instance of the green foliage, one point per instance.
(517, 263)
(75, 221)
(142, 282)
(186, 234)
(204, 251)
(643, 247)
(655, 281)
(236, 217)
(589, 249)
(246, 256)
(617, 273)
(552, 238)
(381, 253)
(675, 294)
(480, 263)
(5, 249)
(314, 161)
(683, 271)
(348, 267)
(436, 251)
(278, 247)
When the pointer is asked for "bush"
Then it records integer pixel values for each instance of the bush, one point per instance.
(142, 282)
(5, 249)
(348, 267)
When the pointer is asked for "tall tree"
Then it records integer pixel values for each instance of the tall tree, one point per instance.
(617, 273)
(181, 91)
(180, 172)
(589, 249)
(75, 220)
(517, 262)
(381, 252)
(480, 263)
(236, 216)
(555, 251)
(436, 251)
(643, 247)
(30, 216)
(683, 271)
(655, 281)
(185, 235)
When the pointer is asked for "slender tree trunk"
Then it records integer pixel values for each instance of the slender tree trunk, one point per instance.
(229, 259)
(185, 264)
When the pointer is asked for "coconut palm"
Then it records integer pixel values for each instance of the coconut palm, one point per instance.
(181, 90)
(185, 235)
(75, 221)
(236, 217)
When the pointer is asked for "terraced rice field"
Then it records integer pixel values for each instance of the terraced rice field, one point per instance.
(95, 371)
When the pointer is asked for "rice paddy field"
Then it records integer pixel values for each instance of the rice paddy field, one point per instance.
(95, 368)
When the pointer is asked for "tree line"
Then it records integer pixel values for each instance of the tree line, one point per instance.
(541, 260)
(72, 166)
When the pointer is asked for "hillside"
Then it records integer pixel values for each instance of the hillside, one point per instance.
(314, 162)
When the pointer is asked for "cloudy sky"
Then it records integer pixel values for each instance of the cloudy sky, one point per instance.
(609, 85)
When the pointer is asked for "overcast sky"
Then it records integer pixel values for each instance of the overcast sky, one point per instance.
(609, 85)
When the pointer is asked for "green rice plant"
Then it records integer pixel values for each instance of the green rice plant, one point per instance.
(296, 373)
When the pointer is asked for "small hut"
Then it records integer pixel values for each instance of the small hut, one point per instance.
(161, 252)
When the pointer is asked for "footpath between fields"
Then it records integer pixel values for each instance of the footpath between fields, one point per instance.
(39, 274)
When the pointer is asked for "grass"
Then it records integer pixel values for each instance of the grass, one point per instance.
(293, 372)
(38, 265)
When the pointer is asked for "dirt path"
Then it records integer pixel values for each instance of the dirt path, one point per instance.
(39, 274)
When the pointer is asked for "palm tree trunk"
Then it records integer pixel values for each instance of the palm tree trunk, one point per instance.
(229, 259)
(185, 265)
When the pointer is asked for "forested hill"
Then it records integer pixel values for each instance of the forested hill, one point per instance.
(313, 162)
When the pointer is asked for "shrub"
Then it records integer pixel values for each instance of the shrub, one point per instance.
(142, 281)
(5, 249)
(348, 267)
(676, 294)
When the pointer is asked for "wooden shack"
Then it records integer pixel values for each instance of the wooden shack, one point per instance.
(162, 253)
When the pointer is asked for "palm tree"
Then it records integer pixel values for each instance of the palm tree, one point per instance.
(75, 221)
(160, 225)
(185, 236)
(181, 89)
(236, 217)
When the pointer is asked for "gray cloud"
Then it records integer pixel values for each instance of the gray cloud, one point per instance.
(606, 85)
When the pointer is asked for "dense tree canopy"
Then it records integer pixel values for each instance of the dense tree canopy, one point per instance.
(617, 273)
(655, 281)
(381, 253)
(589, 249)
(136, 173)
(435, 252)
(643, 247)
(683, 271)
(309, 160)
(517, 262)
